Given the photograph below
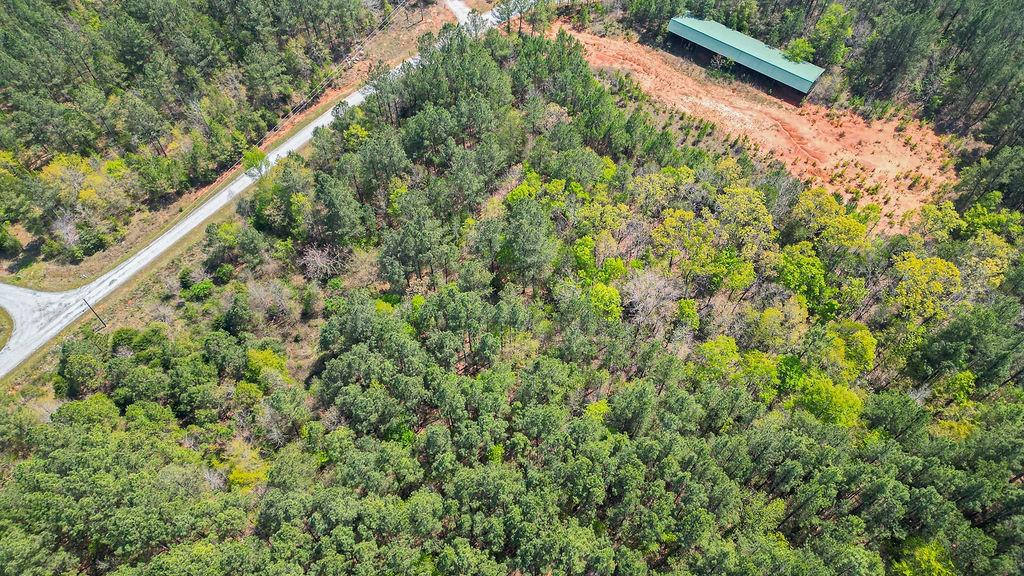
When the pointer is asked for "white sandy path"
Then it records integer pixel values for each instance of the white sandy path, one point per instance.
(39, 316)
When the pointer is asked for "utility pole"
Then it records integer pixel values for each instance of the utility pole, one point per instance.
(94, 313)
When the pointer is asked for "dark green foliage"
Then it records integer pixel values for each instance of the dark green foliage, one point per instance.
(198, 291)
(979, 340)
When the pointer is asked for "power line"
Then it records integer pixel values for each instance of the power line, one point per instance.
(95, 313)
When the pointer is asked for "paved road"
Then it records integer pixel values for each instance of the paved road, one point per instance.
(39, 316)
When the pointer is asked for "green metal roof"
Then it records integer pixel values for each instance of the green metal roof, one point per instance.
(748, 51)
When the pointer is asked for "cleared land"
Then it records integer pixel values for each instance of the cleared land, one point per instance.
(481, 6)
(899, 166)
(392, 46)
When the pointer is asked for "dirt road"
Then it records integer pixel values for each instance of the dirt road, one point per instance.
(898, 167)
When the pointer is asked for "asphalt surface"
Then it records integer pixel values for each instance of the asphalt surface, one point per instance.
(39, 316)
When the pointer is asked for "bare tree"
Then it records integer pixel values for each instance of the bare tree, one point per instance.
(64, 227)
(362, 269)
(321, 262)
(604, 247)
(634, 236)
(214, 478)
(651, 301)
(271, 300)
(161, 312)
(273, 424)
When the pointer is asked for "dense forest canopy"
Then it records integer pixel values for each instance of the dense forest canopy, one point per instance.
(556, 330)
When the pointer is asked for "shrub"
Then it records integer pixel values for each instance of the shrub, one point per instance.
(199, 291)
(799, 50)
(223, 274)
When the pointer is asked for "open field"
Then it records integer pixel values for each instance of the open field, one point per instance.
(392, 47)
(898, 166)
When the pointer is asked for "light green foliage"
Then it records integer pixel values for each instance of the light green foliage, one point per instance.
(612, 269)
(583, 250)
(689, 242)
(650, 191)
(850, 352)
(281, 203)
(245, 469)
(924, 559)
(739, 273)
(800, 50)
(760, 374)
(831, 32)
(834, 403)
(606, 300)
(254, 160)
(528, 188)
(247, 395)
(354, 135)
(940, 221)
(802, 271)
(598, 409)
(222, 242)
(958, 387)
(263, 363)
(687, 313)
(719, 359)
(986, 260)
(837, 233)
(987, 213)
(922, 285)
(746, 221)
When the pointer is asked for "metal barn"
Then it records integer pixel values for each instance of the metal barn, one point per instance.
(747, 51)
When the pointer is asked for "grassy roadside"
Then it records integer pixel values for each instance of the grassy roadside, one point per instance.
(25, 371)
(6, 326)
(108, 307)
(175, 251)
(39, 279)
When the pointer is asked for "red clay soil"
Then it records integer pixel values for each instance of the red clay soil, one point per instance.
(899, 168)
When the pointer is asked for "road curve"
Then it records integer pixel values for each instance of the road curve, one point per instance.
(39, 316)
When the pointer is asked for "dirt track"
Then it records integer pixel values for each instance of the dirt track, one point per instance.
(898, 169)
